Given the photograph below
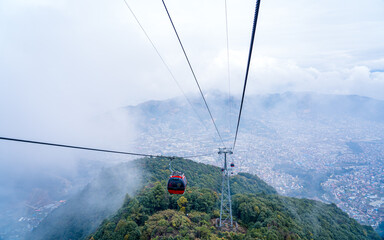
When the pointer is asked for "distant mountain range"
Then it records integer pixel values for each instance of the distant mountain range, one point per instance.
(299, 104)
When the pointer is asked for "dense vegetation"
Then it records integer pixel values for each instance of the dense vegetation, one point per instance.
(261, 213)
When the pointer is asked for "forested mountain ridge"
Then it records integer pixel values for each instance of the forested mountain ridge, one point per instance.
(260, 211)
(201, 175)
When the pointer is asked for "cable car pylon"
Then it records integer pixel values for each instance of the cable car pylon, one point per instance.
(226, 202)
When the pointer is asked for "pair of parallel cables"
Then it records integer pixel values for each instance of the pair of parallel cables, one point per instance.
(246, 74)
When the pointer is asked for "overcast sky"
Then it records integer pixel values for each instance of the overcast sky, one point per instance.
(64, 62)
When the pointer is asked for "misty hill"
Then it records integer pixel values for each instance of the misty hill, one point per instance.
(29, 190)
(85, 211)
(177, 111)
(323, 104)
(261, 213)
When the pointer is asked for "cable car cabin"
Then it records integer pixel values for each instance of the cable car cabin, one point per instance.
(177, 183)
(232, 165)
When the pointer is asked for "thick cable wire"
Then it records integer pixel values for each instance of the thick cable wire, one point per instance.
(247, 71)
(165, 63)
(194, 75)
(94, 149)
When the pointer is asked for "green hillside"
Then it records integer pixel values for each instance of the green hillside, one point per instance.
(261, 213)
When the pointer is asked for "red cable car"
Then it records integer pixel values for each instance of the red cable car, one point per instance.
(177, 183)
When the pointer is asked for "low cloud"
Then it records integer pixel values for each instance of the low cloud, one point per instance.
(274, 75)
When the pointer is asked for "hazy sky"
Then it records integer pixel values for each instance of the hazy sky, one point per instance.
(64, 62)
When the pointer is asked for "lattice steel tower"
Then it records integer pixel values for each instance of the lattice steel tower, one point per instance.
(226, 203)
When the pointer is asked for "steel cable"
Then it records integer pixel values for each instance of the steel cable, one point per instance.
(194, 75)
(94, 149)
(247, 71)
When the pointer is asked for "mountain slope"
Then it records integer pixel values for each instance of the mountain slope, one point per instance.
(262, 214)
(83, 213)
